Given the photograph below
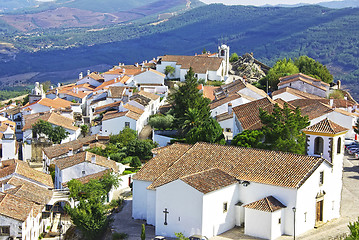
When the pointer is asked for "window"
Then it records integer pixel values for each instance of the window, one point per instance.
(321, 178)
(83, 173)
(318, 145)
(305, 217)
(5, 231)
(279, 221)
(18, 127)
(339, 146)
(225, 207)
(333, 205)
(127, 124)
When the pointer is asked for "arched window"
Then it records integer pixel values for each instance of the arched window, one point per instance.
(223, 53)
(339, 146)
(318, 145)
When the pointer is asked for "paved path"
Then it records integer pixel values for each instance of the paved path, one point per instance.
(337, 227)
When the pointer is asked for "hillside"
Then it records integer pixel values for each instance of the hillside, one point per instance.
(328, 35)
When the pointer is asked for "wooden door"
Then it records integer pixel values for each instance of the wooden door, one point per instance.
(319, 208)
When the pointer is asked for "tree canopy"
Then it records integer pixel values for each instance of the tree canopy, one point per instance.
(169, 70)
(234, 57)
(313, 68)
(90, 213)
(281, 131)
(56, 134)
(192, 115)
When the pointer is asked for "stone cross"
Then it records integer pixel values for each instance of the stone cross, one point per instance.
(166, 212)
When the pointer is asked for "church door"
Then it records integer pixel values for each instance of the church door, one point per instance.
(319, 216)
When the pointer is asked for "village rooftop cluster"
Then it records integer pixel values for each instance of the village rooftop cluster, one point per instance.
(204, 189)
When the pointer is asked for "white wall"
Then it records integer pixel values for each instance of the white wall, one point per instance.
(88, 80)
(224, 107)
(299, 85)
(139, 202)
(148, 77)
(215, 220)
(115, 125)
(184, 205)
(257, 223)
(151, 207)
(14, 226)
(286, 96)
(161, 140)
(161, 68)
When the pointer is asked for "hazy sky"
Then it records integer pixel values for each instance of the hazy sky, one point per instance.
(263, 2)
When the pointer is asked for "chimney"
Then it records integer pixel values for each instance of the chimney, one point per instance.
(58, 85)
(124, 71)
(145, 61)
(141, 68)
(2, 187)
(77, 90)
(88, 72)
(116, 79)
(339, 83)
(229, 108)
(331, 101)
(51, 87)
(81, 75)
(136, 64)
(57, 92)
(93, 159)
(71, 152)
(85, 146)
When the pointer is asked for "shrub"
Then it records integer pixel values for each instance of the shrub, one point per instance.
(136, 162)
(126, 160)
(119, 236)
(118, 157)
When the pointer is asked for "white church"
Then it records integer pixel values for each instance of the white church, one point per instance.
(208, 189)
(206, 66)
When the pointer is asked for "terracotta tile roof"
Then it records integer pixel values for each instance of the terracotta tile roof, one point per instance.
(133, 115)
(22, 168)
(52, 103)
(15, 207)
(107, 107)
(219, 102)
(166, 157)
(248, 114)
(304, 78)
(224, 116)
(95, 76)
(62, 149)
(51, 117)
(13, 111)
(296, 92)
(208, 92)
(116, 92)
(199, 64)
(87, 178)
(209, 180)
(148, 95)
(312, 109)
(157, 72)
(267, 204)
(81, 157)
(281, 103)
(29, 191)
(229, 88)
(326, 126)
(246, 164)
(113, 114)
(78, 94)
(134, 109)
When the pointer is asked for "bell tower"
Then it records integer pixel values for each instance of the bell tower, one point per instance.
(223, 52)
(326, 139)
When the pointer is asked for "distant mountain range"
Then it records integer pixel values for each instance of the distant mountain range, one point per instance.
(330, 36)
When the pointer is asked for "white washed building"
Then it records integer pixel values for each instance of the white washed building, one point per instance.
(208, 189)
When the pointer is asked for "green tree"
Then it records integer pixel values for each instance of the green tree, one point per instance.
(207, 131)
(280, 69)
(25, 100)
(41, 127)
(58, 134)
(143, 232)
(282, 129)
(188, 96)
(313, 68)
(161, 122)
(234, 57)
(140, 148)
(354, 230)
(204, 51)
(55, 134)
(124, 137)
(356, 126)
(169, 70)
(135, 162)
(90, 213)
(84, 130)
(249, 139)
(336, 94)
